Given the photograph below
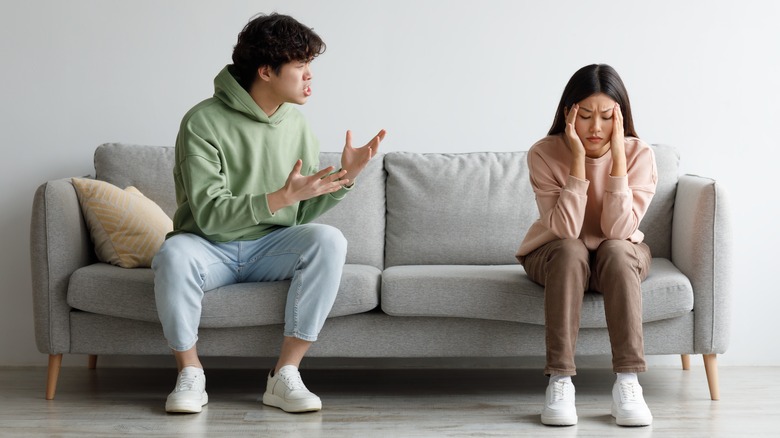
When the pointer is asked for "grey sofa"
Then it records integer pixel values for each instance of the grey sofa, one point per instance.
(430, 271)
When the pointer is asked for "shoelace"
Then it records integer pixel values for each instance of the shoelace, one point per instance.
(630, 392)
(187, 382)
(561, 391)
(293, 380)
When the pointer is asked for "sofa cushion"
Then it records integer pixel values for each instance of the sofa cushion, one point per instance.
(148, 168)
(360, 216)
(126, 227)
(475, 208)
(456, 209)
(505, 293)
(657, 223)
(129, 293)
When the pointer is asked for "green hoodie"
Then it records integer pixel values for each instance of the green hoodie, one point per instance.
(230, 155)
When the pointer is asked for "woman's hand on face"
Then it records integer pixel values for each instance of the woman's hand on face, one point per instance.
(618, 145)
(572, 139)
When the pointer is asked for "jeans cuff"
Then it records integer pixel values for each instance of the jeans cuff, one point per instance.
(301, 336)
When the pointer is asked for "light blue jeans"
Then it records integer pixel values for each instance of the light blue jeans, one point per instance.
(187, 265)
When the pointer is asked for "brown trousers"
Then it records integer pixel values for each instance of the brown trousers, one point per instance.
(566, 269)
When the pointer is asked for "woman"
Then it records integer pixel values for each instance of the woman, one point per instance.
(593, 180)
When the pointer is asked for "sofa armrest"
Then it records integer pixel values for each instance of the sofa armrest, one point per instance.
(59, 244)
(701, 249)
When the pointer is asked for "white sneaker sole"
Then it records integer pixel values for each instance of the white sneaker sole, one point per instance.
(186, 406)
(295, 406)
(558, 420)
(632, 421)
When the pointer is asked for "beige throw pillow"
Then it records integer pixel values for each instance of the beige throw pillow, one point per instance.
(127, 228)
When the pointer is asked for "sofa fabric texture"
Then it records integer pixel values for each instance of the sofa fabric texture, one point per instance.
(430, 268)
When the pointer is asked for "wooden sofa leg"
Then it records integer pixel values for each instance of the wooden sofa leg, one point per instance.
(55, 362)
(686, 361)
(92, 363)
(711, 368)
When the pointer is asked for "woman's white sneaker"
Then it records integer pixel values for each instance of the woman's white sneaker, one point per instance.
(628, 405)
(559, 408)
(286, 391)
(189, 396)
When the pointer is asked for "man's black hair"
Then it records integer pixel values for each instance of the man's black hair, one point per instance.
(272, 40)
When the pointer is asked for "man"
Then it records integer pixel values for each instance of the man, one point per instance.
(247, 185)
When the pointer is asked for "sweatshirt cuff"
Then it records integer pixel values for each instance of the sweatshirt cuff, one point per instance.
(342, 192)
(260, 209)
(617, 183)
(576, 185)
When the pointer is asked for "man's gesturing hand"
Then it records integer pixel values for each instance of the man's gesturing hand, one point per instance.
(354, 160)
(300, 188)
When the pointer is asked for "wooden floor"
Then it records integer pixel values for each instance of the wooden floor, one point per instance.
(110, 402)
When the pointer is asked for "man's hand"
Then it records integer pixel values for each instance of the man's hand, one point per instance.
(300, 188)
(354, 160)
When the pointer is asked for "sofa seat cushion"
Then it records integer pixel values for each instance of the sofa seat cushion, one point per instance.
(129, 293)
(505, 293)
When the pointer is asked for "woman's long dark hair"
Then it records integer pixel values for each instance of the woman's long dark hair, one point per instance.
(589, 80)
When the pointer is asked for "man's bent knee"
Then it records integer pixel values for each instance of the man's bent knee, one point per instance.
(329, 238)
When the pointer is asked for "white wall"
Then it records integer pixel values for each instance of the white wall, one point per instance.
(440, 76)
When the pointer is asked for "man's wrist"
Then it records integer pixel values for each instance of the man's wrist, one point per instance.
(277, 200)
(348, 176)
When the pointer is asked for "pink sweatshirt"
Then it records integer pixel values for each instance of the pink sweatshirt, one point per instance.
(598, 208)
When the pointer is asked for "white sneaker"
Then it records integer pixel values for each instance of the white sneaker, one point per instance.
(628, 405)
(189, 396)
(559, 409)
(286, 391)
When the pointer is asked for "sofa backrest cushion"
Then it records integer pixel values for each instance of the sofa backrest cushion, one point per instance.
(475, 208)
(471, 208)
(657, 223)
(148, 168)
(445, 209)
(360, 216)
